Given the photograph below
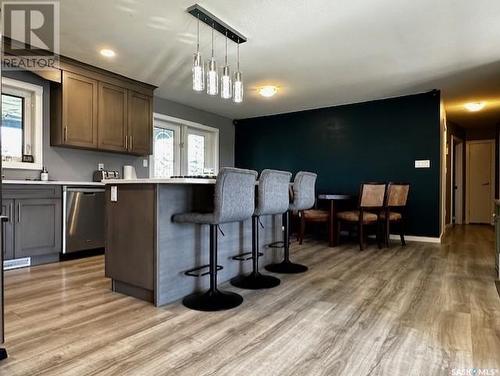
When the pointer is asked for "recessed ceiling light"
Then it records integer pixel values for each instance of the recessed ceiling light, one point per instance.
(474, 106)
(107, 52)
(268, 91)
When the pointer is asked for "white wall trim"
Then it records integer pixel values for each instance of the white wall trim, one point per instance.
(182, 122)
(421, 239)
(35, 117)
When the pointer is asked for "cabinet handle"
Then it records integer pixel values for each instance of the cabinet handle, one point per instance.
(19, 213)
(65, 134)
(11, 212)
(126, 142)
(131, 143)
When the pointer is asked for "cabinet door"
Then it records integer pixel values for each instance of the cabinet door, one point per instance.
(8, 229)
(113, 114)
(140, 123)
(38, 227)
(79, 114)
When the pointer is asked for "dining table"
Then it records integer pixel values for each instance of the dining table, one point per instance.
(334, 200)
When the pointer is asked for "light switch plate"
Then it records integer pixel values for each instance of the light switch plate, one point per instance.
(424, 163)
(100, 166)
(144, 163)
(114, 193)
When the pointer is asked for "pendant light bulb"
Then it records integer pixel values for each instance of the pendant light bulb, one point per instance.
(226, 85)
(212, 74)
(198, 68)
(238, 82)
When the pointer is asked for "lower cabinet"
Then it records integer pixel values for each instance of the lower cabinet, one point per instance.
(8, 229)
(34, 227)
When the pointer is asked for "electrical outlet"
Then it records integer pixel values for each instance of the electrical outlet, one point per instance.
(100, 166)
(425, 163)
(144, 163)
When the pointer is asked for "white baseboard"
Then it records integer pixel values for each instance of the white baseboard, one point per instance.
(422, 239)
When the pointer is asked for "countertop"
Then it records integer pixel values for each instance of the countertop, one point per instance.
(159, 181)
(53, 182)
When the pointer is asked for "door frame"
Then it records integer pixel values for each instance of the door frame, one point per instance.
(467, 173)
(457, 200)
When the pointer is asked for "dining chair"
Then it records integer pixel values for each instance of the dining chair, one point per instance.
(371, 204)
(396, 200)
(311, 216)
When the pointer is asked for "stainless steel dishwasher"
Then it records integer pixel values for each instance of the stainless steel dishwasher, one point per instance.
(83, 224)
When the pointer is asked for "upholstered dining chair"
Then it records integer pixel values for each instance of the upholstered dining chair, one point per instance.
(396, 199)
(371, 205)
(311, 216)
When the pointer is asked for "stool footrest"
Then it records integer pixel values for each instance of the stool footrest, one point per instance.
(243, 256)
(278, 244)
(195, 271)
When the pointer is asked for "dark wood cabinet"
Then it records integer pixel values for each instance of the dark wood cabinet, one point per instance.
(79, 110)
(140, 123)
(8, 229)
(38, 227)
(113, 118)
(99, 110)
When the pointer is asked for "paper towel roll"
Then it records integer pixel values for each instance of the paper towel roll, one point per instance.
(129, 172)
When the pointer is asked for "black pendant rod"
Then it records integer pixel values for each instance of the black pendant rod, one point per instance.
(205, 16)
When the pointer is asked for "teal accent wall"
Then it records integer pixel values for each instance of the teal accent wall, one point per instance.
(349, 144)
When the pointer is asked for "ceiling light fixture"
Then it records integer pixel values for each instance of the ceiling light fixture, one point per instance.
(474, 106)
(107, 52)
(212, 75)
(225, 83)
(268, 91)
(198, 68)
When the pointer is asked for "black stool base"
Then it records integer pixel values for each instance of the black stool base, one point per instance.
(287, 267)
(211, 301)
(3, 354)
(255, 281)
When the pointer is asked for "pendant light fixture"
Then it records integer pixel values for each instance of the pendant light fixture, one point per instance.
(212, 74)
(226, 86)
(207, 77)
(238, 83)
(198, 68)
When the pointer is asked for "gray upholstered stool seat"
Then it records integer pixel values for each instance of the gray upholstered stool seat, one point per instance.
(234, 201)
(304, 196)
(272, 199)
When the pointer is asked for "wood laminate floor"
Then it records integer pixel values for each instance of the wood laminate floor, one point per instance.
(420, 310)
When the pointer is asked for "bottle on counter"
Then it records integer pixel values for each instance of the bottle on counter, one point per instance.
(44, 175)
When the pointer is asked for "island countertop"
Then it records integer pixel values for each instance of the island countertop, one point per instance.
(159, 181)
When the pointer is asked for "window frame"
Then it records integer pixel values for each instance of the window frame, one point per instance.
(33, 121)
(181, 144)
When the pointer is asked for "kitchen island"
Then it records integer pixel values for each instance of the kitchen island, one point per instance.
(147, 254)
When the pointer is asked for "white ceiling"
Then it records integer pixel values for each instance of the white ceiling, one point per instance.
(320, 53)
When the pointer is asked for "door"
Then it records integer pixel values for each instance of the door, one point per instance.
(140, 123)
(480, 187)
(38, 227)
(79, 117)
(166, 158)
(112, 119)
(8, 229)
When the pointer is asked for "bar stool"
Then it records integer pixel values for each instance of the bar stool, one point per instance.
(304, 196)
(234, 201)
(272, 198)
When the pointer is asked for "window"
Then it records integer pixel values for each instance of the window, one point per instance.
(21, 129)
(183, 148)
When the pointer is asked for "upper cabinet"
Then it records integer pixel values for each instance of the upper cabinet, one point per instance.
(79, 111)
(140, 123)
(98, 110)
(113, 115)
